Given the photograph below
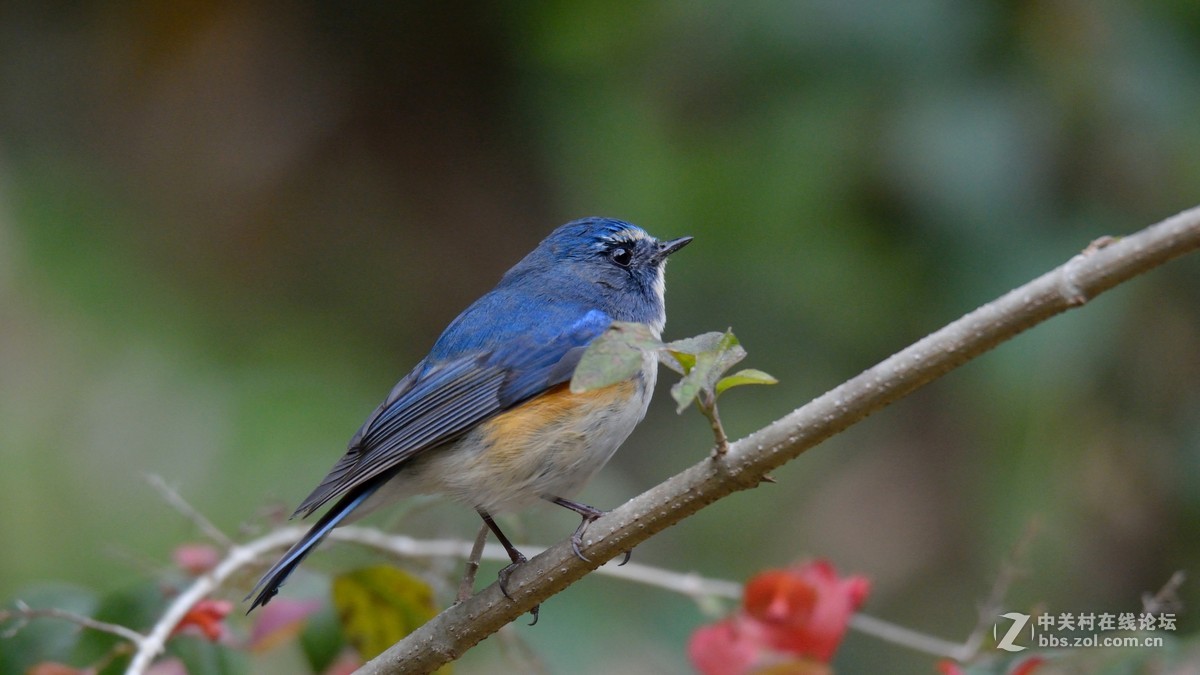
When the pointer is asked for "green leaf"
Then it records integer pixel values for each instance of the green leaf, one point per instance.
(742, 377)
(728, 341)
(708, 367)
(728, 352)
(686, 390)
(680, 362)
(705, 342)
(681, 354)
(615, 356)
(380, 605)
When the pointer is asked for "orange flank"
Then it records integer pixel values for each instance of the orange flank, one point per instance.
(545, 447)
(557, 414)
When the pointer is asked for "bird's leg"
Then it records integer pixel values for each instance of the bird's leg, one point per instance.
(513, 554)
(588, 514)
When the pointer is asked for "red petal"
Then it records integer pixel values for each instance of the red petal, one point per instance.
(805, 609)
(720, 649)
(777, 596)
(206, 616)
(948, 667)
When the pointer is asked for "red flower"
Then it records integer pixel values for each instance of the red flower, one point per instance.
(207, 617)
(804, 609)
(801, 611)
(948, 667)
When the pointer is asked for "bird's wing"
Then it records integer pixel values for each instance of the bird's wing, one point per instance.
(436, 403)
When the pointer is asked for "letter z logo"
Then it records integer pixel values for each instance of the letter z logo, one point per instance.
(1018, 624)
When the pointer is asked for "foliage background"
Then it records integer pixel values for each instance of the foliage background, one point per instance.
(227, 228)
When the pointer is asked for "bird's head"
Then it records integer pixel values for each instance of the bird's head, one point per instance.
(610, 264)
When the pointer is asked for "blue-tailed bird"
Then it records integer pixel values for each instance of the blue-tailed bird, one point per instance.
(488, 418)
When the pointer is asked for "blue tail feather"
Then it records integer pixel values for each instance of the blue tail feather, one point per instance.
(275, 577)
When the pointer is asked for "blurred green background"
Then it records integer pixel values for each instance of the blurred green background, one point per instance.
(227, 228)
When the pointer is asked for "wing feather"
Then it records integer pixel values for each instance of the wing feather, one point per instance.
(436, 403)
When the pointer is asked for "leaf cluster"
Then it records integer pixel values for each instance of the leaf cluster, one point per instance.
(619, 353)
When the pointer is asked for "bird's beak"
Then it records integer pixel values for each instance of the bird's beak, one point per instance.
(666, 248)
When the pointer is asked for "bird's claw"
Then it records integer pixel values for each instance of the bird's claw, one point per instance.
(503, 574)
(577, 542)
(502, 581)
(577, 537)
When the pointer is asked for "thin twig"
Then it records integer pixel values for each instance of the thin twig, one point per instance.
(188, 511)
(23, 614)
(684, 583)
(1167, 597)
(707, 403)
(905, 637)
(1011, 569)
(466, 587)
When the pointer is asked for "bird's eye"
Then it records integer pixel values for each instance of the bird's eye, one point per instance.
(621, 256)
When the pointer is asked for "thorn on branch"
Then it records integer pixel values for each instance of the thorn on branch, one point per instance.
(1068, 284)
(1099, 243)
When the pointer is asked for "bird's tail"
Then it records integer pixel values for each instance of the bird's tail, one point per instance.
(270, 582)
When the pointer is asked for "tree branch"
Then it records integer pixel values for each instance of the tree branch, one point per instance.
(1101, 266)
(24, 613)
(172, 496)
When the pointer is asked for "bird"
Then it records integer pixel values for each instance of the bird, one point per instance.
(488, 418)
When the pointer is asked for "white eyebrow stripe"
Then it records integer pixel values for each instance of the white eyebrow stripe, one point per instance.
(628, 234)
